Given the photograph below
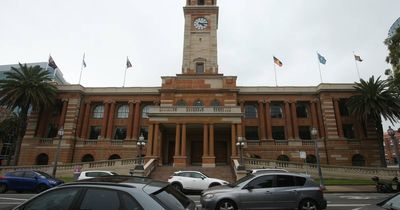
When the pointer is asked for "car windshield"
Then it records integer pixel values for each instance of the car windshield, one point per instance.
(44, 174)
(172, 199)
(240, 181)
(393, 203)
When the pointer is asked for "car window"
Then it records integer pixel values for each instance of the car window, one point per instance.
(29, 174)
(171, 198)
(130, 203)
(300, 181)
(54, 200)
(92, 174)
(285, 181)
(17, 174)
(103, 174)
(100, 199)
(196, 175)
(393, 203)
(185, 174)
(262, 182)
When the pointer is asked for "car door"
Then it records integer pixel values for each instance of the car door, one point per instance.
(100, 199)
(285, 192)
(16, 180)
(257, 194)
(185, 179)
(198, 181)
(29, 180)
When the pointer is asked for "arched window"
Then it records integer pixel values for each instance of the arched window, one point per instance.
(181, 103)
(123, 111)
(198, 103)
(283, 158)
(87, 158)
(145, 110)
(98, 111)
(358, 160)
(250, 111)
(114, 157)
(311, 159)
(42, 159)
(215, 102)
(200, 2)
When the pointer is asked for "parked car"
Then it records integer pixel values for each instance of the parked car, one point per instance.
(266, 170)
(95, 173)
(111, 193)
(266, 191)
(193, 181)
(392, 203)
(31, 180)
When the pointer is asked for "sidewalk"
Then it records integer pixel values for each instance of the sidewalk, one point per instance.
(350, 189)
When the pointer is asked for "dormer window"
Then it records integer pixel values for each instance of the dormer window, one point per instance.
(199, 68)
(200, 2)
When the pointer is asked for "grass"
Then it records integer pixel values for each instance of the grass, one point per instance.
(328, 182)
(67, 179)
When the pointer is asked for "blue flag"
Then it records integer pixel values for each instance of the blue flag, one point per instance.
(321, 59)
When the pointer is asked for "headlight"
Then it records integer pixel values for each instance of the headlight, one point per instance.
(52, 182)
(208, 196)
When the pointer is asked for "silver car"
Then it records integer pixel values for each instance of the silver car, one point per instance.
(266, 191)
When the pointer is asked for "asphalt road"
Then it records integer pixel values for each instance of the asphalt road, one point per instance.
(336, 201)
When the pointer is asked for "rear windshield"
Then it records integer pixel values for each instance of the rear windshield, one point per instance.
(171, 198)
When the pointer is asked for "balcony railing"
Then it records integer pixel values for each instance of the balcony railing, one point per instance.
(194, 110)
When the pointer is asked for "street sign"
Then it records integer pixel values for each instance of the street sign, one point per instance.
(303, 155)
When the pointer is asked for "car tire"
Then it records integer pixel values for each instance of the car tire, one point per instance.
(309, 204)
(177, 186)
(226, 205)
(214, 184)
(40, 188)
(3, 188)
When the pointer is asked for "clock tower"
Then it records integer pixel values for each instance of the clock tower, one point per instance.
(200, 39)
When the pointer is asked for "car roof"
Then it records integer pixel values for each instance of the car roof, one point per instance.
(282, 173)
(124, 180)
(96, 171)
(188, 171)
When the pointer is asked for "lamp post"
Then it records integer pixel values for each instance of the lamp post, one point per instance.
(314, 133)
(60, 133)
(240, 143)
(392, 133)
(141, 143)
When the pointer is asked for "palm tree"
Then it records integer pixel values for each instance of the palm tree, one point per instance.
(375, 99)
(24, 88)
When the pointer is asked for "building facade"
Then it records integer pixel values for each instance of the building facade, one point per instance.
(197, 116)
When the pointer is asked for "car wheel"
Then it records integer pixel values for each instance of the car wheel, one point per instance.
(41, 188)
(308, 204)
(226, 205)
(3, 188)
(177, 186)
(214, 184)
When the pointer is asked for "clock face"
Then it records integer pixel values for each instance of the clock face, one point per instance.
(200, 23)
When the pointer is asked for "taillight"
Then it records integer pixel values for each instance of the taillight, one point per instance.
(2, 177)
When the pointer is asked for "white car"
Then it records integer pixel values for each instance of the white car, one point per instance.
(193, 181)
(91, 174)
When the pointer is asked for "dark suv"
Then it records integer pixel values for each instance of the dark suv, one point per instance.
(111, 193)
(266, 191)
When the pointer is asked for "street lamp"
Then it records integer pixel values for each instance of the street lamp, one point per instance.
(60, 133)
(392, 133)
(240, 143)
(141, 143)
(314, 133)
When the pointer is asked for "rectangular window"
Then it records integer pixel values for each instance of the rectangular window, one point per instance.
(199, 68)
(276, 111)
(278, 132)
(304, 132)
(145, 132)
(251, 133)
(120, 133)
(302, 110)
(343, 107)
(51, 131)
(250, 111)
(95, 132)
(348, 131)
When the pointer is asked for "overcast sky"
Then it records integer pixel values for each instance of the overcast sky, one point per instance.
(150, 32)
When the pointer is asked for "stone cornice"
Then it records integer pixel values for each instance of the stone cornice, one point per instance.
(349, 87)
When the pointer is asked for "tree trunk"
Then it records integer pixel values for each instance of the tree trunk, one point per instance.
(21, 133)
(379, 130)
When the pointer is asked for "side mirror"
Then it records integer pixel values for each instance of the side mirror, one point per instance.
(203, 177)
(248, 187)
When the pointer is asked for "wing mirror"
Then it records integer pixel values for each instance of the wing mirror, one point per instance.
(248, 187)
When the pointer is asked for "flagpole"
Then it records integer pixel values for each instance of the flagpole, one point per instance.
(319, 67)
(80, 75)
(276, 80)
(126, 68)
(355, 61)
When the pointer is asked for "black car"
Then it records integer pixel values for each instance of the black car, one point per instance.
(111, 193)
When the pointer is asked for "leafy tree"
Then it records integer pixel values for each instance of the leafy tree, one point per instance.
(393, 44)
(24, 88)
(375, 99)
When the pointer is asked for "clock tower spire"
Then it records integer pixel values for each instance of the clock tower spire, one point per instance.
(200, 39)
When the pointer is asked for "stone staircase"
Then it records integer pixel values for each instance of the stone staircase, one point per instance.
(219, 172)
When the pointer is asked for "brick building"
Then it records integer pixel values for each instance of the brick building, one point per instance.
(196, 117)
(389, 149)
